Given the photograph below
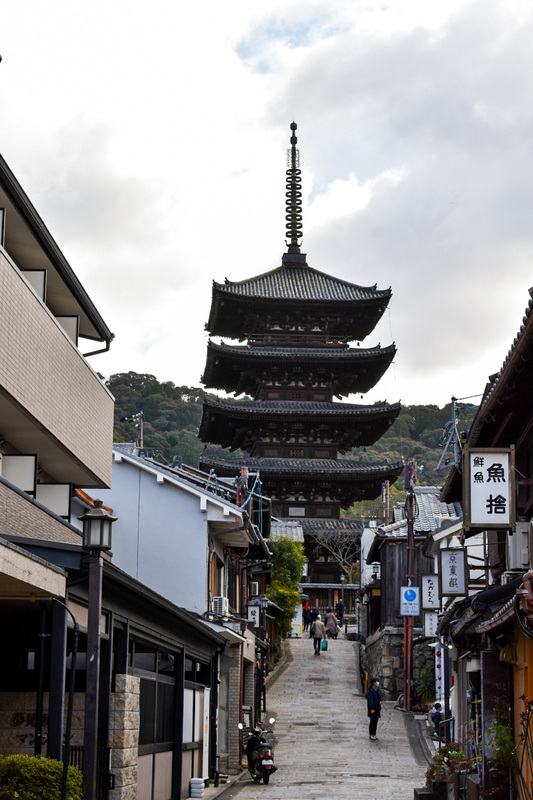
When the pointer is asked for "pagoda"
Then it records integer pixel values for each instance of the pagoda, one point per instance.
(292, 360)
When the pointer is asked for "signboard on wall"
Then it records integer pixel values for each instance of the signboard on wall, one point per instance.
(253, 614)
(453, 572)
(431, 620)
(430, 592)
(489, 487)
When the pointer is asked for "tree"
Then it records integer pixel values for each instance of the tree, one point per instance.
(288, 561)
(345, 547)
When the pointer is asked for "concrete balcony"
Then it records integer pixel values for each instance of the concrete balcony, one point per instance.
(51, 401)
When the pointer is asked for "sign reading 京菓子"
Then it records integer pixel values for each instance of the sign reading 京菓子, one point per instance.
(489, 487)
(430, 592)
(453, 572)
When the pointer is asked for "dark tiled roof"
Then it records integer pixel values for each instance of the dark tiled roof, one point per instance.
(300, 282)
(343, 468)
(304, 353)
(303, 408)
(507, 395)
(331, 525)
(430, 512)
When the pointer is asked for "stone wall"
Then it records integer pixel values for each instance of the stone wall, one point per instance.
(17, 722)
(124, 736)
(383, 658)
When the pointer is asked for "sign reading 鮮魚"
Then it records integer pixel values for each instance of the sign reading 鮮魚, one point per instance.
(489, 488)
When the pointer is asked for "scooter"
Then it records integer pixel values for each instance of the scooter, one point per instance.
(259, 754)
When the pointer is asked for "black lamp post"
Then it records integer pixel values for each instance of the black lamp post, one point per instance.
(96, 538)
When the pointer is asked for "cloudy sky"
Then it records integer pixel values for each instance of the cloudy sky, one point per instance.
(152, 137)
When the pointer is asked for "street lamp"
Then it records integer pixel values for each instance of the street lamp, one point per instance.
(97, 525)
(342, 578)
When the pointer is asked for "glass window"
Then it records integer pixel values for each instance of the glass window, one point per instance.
(147, 709)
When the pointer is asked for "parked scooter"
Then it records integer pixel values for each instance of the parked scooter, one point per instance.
(259, 754)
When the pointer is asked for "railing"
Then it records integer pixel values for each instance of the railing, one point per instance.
(104, 779)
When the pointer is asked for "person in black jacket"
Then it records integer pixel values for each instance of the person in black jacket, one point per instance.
(374, 707)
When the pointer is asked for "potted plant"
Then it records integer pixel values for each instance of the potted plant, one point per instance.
(425, 686)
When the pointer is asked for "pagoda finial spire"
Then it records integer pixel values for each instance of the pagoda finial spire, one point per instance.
(293, 195)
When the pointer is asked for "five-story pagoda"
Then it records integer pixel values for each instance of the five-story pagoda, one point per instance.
(294, 325)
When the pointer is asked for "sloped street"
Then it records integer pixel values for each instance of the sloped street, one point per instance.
(321, 742)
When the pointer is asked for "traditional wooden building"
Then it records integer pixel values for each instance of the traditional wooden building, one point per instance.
(298, 324)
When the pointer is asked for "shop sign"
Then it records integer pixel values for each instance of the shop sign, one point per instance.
(453, 572)
(489, 488)
(430, 591)
(431, 620)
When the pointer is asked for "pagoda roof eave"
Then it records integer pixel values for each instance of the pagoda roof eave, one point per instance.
(236, 423)
(235, 368)
(300, 282)
(261, 353)
(343, 469)
(297, 408)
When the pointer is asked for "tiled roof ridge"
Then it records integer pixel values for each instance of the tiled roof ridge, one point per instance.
(494, 380)
(297, 406)
(299, 352)
(308, 277)
(324, 464)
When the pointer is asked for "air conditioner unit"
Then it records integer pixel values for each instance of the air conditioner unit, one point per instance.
(220, 606)
(507, 577)
(518, 547)
(254, 589)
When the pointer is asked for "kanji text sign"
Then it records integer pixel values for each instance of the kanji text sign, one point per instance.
(430, 592)
(489, 488)
(453, 572)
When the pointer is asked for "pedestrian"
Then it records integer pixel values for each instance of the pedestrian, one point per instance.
(374, 707)
(331, 624)
(313, 614)
(339, 608)
(437, 718)
(318, 631)
(305, 618)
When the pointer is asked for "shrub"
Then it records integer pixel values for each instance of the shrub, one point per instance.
(36, 778)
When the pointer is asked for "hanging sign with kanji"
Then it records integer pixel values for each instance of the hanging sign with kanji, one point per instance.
(453, 572)
(489, 488)
(431, 620)
(430, 591)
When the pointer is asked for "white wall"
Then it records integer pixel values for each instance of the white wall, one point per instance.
(160, 536)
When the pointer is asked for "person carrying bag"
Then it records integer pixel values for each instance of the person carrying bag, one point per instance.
(319, 633)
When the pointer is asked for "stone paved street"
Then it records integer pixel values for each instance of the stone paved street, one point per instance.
(321, 745)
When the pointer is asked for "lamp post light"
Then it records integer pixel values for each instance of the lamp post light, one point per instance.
(97, 525)
(342, 579)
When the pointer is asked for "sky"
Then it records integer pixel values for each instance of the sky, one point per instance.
(152, 137)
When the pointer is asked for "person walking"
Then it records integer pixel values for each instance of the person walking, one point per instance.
(374, 707)
(339, 608)
(331, 624)
(305, 618)
(318, 630)
(313, 614)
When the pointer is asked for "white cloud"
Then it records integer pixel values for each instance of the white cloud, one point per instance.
(152, 141)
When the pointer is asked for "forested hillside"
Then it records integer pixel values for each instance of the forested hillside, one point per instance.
(172, 415)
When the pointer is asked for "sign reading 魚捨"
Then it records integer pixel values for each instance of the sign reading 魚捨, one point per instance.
(489, 487)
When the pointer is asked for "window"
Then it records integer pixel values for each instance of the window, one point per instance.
(156, 669)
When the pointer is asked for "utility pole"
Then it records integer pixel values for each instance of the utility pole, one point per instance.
(410, 473)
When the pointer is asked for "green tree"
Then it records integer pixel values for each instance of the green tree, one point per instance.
(288, 561)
